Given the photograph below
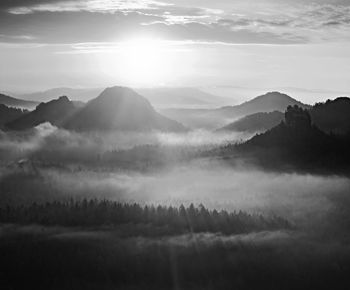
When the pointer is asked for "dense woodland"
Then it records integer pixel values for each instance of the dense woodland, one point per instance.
(91, 213)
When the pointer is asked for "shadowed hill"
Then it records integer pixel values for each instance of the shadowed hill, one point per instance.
(295, 144)
(120, 108)
(13, 102)
(296, 132)
(9, 114)
(333, 115)
(55, 112)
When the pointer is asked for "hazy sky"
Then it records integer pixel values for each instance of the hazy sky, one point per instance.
(249, 43)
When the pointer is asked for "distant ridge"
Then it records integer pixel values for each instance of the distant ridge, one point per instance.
(76, 94)
(14, 102)
(331, 116)
(120, 108)
(55, 112)
(159, 97)
(182, 97)
(269, 102)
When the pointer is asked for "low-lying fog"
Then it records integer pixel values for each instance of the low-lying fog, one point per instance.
(293, 196)
(47, 137)
(307, 200)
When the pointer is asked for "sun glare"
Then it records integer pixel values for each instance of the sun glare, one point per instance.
(142, 61)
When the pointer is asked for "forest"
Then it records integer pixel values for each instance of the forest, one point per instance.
(93, 213)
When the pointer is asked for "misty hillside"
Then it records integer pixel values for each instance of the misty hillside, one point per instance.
(55, 112)
(13, 102)
(257, 122)
(182, 97)
(120, 108)
(333, 115)
(159, 97)
(294, 131)
(84, 95)
(9, 114)
(272, 101)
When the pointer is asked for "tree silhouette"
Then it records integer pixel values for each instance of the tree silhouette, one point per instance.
(90, 213)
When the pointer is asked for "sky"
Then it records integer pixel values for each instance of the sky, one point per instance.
(265, 44)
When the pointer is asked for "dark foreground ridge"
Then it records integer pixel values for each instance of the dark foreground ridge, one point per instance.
(91, 213)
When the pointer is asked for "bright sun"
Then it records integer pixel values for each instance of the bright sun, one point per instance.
(141, 61)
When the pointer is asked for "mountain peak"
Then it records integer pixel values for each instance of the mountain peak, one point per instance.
(121, 96)
(63, 99)
(275, 96)
(117, 90)
(271, 101)
(120, 108)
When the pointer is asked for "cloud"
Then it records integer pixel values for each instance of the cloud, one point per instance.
(71, 27)
(16, 38)
(304, 22)
(107, 6)
(270, 22)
